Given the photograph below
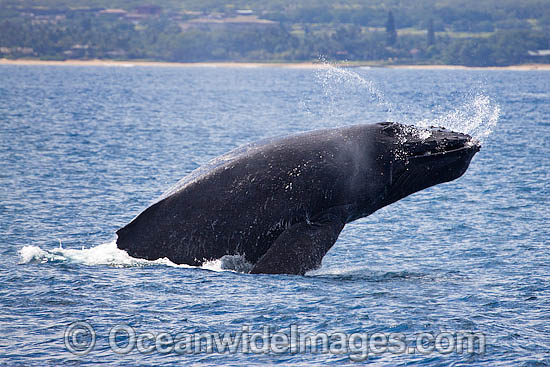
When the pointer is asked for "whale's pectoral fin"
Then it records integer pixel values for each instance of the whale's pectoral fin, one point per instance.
(301, 247)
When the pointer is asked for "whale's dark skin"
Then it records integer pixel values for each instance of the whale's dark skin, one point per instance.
(283, 204)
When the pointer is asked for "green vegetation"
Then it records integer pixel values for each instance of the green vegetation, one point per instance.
(465, 32)
(391, 32)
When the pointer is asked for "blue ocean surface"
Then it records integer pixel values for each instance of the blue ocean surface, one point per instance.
(84, 149)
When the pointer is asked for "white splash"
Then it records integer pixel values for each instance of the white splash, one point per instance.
(33, 254)
(104, 254)
(339, 85)
(109, 254)
(235, 263)
(476, 118)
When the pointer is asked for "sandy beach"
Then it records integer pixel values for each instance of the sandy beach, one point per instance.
(300, 65)
(130, 63)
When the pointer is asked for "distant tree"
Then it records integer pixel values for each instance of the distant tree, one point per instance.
(391, 33)
(469, 52)
(431, 32)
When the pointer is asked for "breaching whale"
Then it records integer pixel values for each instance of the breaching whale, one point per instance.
(282, 203)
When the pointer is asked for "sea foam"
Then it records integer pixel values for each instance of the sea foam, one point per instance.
(109, 254)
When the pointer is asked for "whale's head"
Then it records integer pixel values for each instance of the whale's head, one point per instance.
(416, 158)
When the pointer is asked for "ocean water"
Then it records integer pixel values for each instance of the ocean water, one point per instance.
(84, 149)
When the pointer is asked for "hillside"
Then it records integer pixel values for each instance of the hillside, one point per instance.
(464, 32)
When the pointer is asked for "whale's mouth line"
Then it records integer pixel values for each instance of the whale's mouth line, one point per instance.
(470, 145)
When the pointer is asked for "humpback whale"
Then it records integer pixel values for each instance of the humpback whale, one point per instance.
(282, 203)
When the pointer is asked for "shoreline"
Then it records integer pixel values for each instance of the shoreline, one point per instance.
(289, 65)
(131, 63)
(461, 67)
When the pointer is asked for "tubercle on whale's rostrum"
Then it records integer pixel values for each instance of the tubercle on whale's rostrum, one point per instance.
(210, 216)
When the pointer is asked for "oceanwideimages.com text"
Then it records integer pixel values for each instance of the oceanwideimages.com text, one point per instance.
(80, 339)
